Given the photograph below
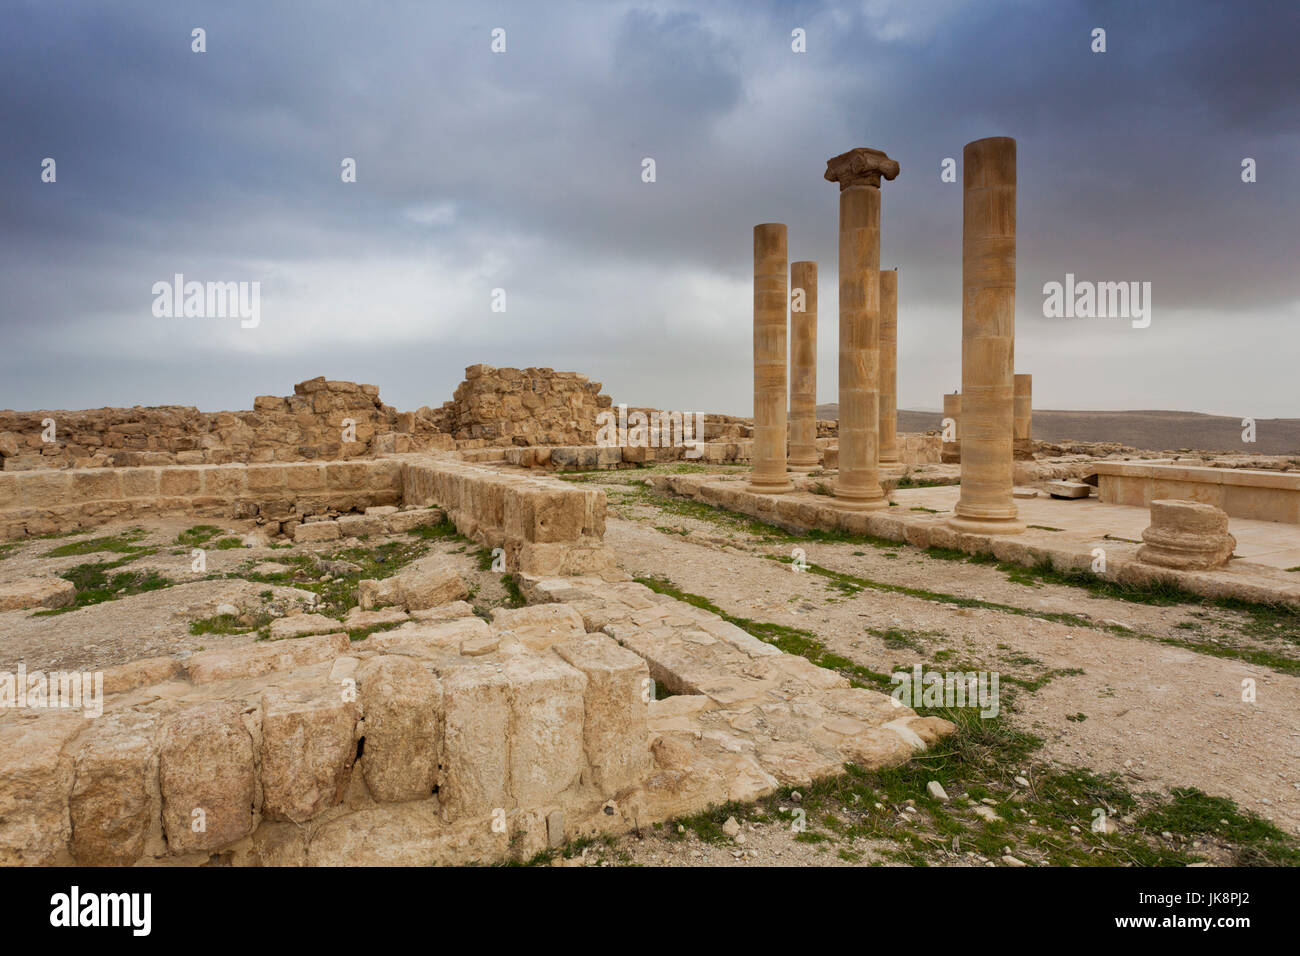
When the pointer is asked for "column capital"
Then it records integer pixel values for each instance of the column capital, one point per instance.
(860, 166)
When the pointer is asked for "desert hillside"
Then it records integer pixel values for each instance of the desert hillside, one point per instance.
(1142, 429)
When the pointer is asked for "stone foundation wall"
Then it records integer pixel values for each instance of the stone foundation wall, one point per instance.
(307, 425)
(532, 406)
(58, 501)
(546, 526)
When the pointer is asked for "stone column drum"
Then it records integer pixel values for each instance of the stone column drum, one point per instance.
(889, 366)
(858, 172)
(803, 369)
(771, 302)
(950, 451)
(1023, 429)
(988, 319)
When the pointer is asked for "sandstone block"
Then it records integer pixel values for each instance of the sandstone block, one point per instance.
(317, 531)
(308, 747)
(403, 728)
(546, 727)
(114, 804)
(428, 582)
(302, 625)
(206, 776)
(476, 709)
(538, 626)
(36, 592)
(256, 660)
(616, 709)
(34, 822)
(357, 526)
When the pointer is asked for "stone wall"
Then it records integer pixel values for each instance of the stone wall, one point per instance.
(545, 525)
(57, 501)
(307, 425)
(532, 406)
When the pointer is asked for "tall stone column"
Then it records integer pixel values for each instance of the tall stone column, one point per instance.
(888, 366)
(858, 172)
(803, 368)
(771, 302)
(1023, 430)
(950, 451)
(988, 331)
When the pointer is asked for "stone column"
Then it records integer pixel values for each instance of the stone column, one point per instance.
(888, 366)
(803, 368)
(771, 302)
(858, 172)
(950, 451)
(988, 320)
(1024, 420)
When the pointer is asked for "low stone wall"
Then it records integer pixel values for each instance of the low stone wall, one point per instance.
(57, 501)
(1240, 492)
(545, 526)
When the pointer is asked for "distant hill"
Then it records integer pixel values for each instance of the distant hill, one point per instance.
(1154, 430)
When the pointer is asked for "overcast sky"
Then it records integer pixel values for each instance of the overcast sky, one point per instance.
(522, 171)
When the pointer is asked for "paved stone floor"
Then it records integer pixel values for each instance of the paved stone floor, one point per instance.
(1088, 521)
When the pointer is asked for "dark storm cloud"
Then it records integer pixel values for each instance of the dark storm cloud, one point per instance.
(523, 171)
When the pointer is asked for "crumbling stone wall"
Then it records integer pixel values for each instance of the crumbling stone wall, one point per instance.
(532, 406)
(307, 425)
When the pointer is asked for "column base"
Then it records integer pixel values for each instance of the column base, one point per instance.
(778, 487)
(889, 459)
(985, 525)
(859, 502)
(803, 464)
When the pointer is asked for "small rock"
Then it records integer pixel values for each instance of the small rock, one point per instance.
(731, 827)
(1010, 860)
(1021, 781)
(224, 610)
(935, 789)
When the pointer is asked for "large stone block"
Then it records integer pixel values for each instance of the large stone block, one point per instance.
(476, 709)
(617, 703)
(114, 802)
(428, 582)
(37, 781)
(540, 625)
(258, 659)
(308, 747)
(546, 739)
(403, 728)
(206, 775)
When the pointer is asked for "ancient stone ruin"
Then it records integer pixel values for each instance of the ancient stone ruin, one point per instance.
(312, 676)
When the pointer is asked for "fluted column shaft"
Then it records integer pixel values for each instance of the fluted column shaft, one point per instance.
(889, 366)
(803, 367)
(988, 317)
(771, 302)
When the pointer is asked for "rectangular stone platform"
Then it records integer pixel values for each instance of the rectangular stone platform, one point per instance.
(1241, 492)
(1065, 532)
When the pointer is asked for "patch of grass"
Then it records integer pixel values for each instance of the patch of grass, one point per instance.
(123, 543)
(95, 584)
(792, 640)
(1192, 812)
(197, 535)
(227, 544)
